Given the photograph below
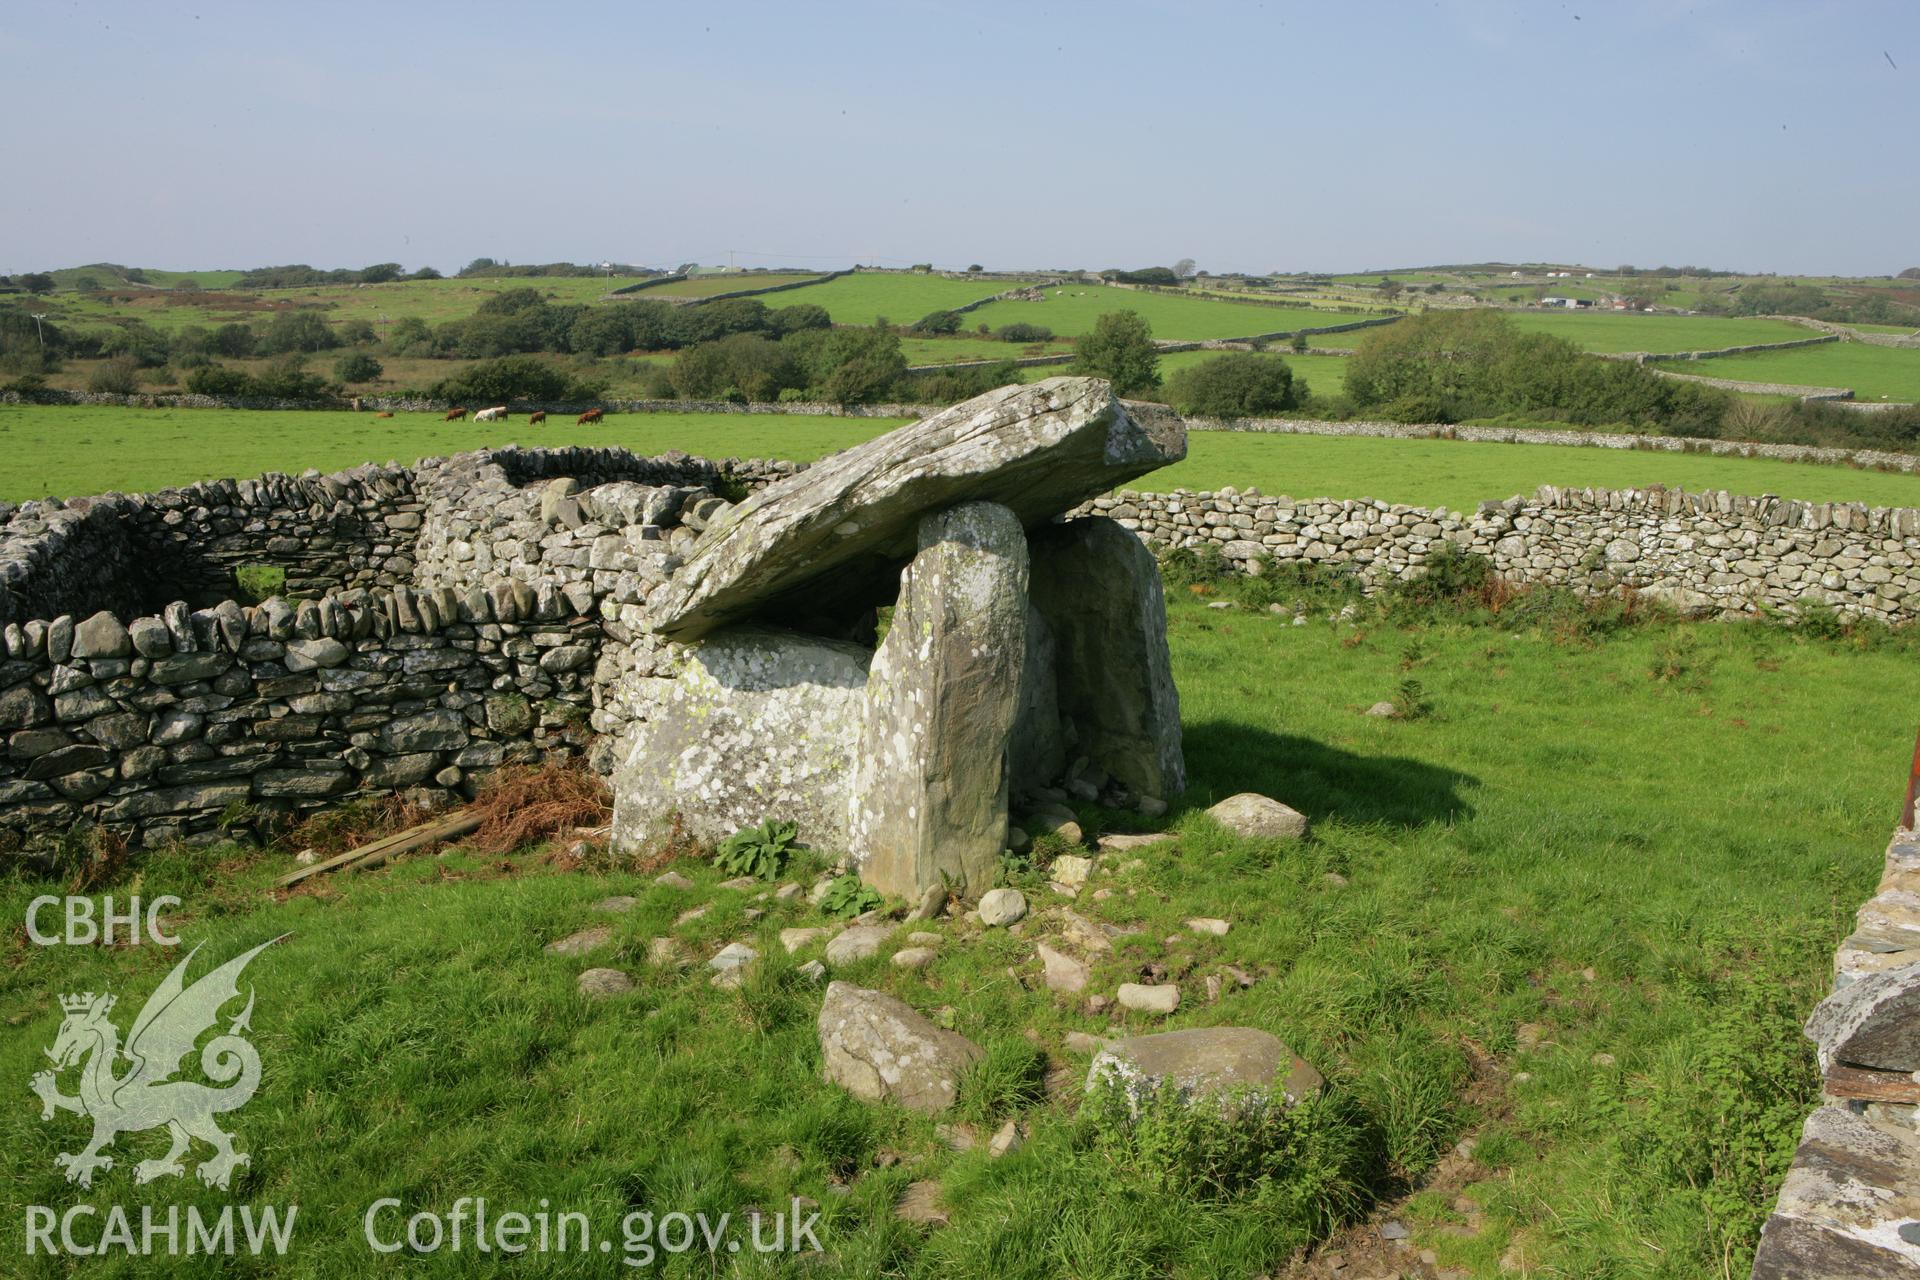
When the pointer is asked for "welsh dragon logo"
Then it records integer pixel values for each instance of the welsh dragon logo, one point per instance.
(145, 1096)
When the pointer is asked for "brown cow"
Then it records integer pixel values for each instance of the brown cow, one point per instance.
(591, 415)
(384, 413)
(537, 417)
(455, 414)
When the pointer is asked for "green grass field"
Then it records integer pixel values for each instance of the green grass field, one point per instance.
(708, 286)
(865, 297)
(435, 301)
(1629, 331)
(83, 450)
(1542, 917)
(961, 347)
(67, 451)
(1070, 310)
(1874, 373)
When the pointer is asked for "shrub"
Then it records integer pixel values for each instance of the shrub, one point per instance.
(747, 364)
(291, 331)
(849, 895)
(1120, 349)
(1239, 385)
(218, 380)
(235, 339)
(118, 376)
(1025, 334)
(938, 323)
(761, 851)
(287, 379)
(508, 378)
(357, 367)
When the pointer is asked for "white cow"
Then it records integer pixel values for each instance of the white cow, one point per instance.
(496, 414)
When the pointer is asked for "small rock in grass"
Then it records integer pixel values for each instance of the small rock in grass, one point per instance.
(813, 971)
(666, 952)
(615, 905)
(1394, 1230)
(1210, 925)
(1000, 907)
(794, 939)
(1384, 711)
(601, 983)
(1220, 604)
(924, 939)
(1007, 1140)
(1063, 973)
(921, 1205)
(1120, 843)
(856, 943)
(730, 962)
(932, 904)
(1081, 1042)
(1151, 806)
(673, 880)
(739, 882)
(577, 944)
(1334, 880)
(1161, 999)
(787, 892)
(1071, 870)
(1254, 816)
(691, 913)
(914, 957)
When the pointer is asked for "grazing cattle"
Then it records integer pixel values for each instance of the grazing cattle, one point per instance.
(454, 415)
(591, 415)
(384, 413)
(537, 417)
(496, 414)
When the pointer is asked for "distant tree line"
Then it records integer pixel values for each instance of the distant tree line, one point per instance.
(1873, 306)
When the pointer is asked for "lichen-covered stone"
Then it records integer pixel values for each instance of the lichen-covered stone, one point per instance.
(1099, 590)
(880, 1049)
(760, 723)
(929, 803)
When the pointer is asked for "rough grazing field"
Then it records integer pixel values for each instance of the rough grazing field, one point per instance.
(1574, 913)
(707, 286)
(866, 297)
(1874, 373)
(1626, 331)
(380, 304)
(1071, 310)
(65, 451)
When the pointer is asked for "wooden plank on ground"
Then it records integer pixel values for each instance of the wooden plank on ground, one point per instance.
(371, 855)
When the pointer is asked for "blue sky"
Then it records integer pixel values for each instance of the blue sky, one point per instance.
(1275, 136)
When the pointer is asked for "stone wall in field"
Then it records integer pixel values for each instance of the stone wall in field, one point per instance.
(1867, 459)
(465, 613)
(1850, 1202)
(1706, 553)
(132, 552)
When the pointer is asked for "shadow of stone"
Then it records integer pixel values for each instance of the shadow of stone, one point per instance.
(1224, 758)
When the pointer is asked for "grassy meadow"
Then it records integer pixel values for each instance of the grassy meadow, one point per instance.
(865, 297)
(1071, 310)
(1612, 331)
(66, 451)
(708, 286)
(1540, 917)
(1874, 372)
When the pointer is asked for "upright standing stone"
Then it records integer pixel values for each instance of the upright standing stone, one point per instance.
(1099, 588)
(930, 802)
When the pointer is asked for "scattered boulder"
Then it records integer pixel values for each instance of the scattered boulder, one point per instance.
(921, 1205)
(1070, 872)
(730, 964)
(1006, 1140)
(1001, 907)
(1206, 1061)
(578, 944)
(617, 905)
(1209, 925)
(1063, 973)
(796, 939)
(1146, 999)
(880, 1049)
(1256, 817)
(1384, 711)
(857, 942)
(598, 984)
(913, 957)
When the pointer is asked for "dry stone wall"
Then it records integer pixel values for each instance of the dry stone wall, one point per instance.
(1704, 552)
(463, 614)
